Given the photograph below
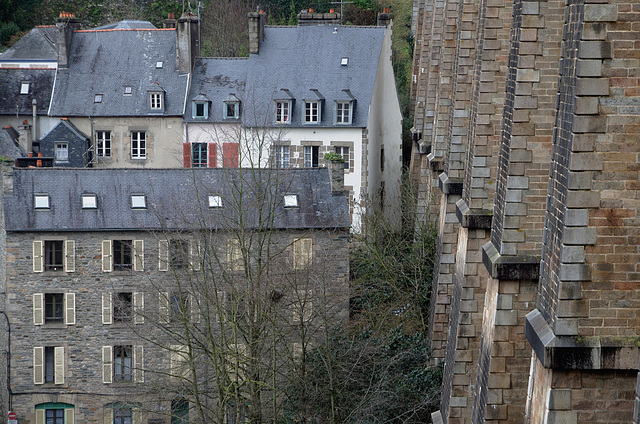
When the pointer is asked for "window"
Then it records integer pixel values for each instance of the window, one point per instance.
(178, 307)
(24, 87)
(138, 145)
(231, 110)
(62, 152)
(53, 308)
(103, 143)
(215, 201)
(283, 115)
(55, 413)
(41, 201)
(122, 307)
(382, 159)
(48, 365)
(89, 201)
(97, 98)
(159, 64)
(311, 156)
(179, 411)
(312, 112)
(199, 155)
(122, 362)
(122, 416)
(302, 253)
(343, 112)
(138, 201)
(54, 255)
(344, 152)
(122, 258)
(200, 110)
(234, 252)
(54, 416)
(344, 61)
(128, 91)
(179, 253)
(155, 101)
(281, 156)
(290, 200)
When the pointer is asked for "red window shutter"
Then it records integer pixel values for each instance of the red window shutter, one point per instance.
(213, 155)
(186, 155)
(230, 155)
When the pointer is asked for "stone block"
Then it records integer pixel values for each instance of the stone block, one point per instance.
(529, 48)
(532, 21)
(504, 301)
(530, 8)
(584, 142)
(514, 182)
(586, 162)
(494, 397)
(576, 217)
(527, 75)
(572, 254)
(580, 181)
(589, 68)
(589, 124)
(594, 31)
(592, 87)
(460, 402)
(575, 272)
(495, 412)
(562, 417)
(594, 50)
(569, 290)
(583, 199)
(559, 399)
(516, 209)
(513, 236)
(499, 381)
(521, 156)
(572, 308)
(525, 102)
(579, 236)
(587, 105)
(600, 12)
(529, 34)
(565, 327)
(504, 317)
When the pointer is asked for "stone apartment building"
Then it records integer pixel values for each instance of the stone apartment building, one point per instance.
(108, 270)
(525, 155)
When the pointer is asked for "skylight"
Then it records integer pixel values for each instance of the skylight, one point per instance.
(97, 98)
(24, 88)
(344, 61)
(41, 201)
(290, 200)
(138, 201)
(215, 201)
(128, 90)
(89, 201)
(159, 64)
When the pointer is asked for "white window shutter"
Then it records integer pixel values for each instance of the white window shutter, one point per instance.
(38, 254)
(195, 309)
(138, 255)
(107, 311)
(107, 364)
(163, 255)
(108, 415)
(38, 365)
(107, 265)
(163, 307)
(138, 364)
(38, 308)
(302, 251)
(138, 308)
(70, 256)
(40, 416)
(58, 355)
(69, 416)
(70, 308)
(194, 246)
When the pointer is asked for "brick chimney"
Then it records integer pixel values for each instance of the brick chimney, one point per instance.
(256, 30)
(385, 18)
(336, 176)
(170, 22)
(188, 45)
(309, 17)
(66, 24)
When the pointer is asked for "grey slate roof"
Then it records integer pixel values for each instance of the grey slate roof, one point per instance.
(40, 87)
(8, 143)
(37, 44)
(299, 59)
(106, 61)
(176, 199)
(128, 24)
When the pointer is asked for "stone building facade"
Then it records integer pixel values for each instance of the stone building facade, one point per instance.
(526, 130)
(107, 270)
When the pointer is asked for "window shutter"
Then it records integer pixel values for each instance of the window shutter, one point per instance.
(37, 255)
(221, 310)
(195, 308)
(138, 364)
(58, 355)
(302, 251)
(194, 247)
(163, 307)
(230, 155)
(212, 150)
(136, 415)
(69, 416)
(40, 416)
(186, 155)
(70, 256)
(38, 365)
(163, 255)
(106, 256)
(138, 252)
(38, 308)
(70, 308)
(179, 369)
(108, 415)
(107, 311)
(107, 364)
(138, 308)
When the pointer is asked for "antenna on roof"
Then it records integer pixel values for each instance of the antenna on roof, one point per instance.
(341, 2)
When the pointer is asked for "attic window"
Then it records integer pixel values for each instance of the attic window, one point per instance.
(159, 64)
(41, 201)
(344, 61)
(138, 201)
(128, 90)
(89, 201)
(155, 101)
(24, 88)
(231, 110)
(290, 200)
(97, 98)
(215, 201)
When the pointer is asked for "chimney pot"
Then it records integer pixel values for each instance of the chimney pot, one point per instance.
(310, 10)
(331, 11)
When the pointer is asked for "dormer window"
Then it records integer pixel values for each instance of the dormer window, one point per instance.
(231, 107)
(283, 111)
(24, 87)
(138, 201)
(89, 201)
(97, 98)
(155, 101)
(128, 90)
(312, 111)
(200, 107)
(344, 112)
(41, 201)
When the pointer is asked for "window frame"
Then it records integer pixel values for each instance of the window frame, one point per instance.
(24, 87)
(54, 308)
(343, 112)
(215, 201)
(123, 307)
(282, 156)
(236, 110)
(311, 156)
(61, 147)
(54, 255)
(346, 157)
(199, 151)
(283, 111)
(156, 101)
(138, 144)
(138, 201)
(89, 201)
(122, 371)
(312, 111)
(122, 255)
(103, 143)
(205, 110)
(41, 201)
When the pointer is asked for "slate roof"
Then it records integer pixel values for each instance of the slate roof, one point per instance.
(299, 59)
(40, 87)
(176, 199)
(8, 143)
(37, 44)
(108, 60)
(128, 24)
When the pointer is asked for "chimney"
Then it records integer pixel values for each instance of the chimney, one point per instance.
(170, 22)
(309, 17)
(385, 18)
(336, 175)
(188, 45)
(24, 136)
(256, 30)
(65, 24)
(34, 132)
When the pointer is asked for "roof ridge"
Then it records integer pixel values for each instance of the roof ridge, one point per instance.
(125, 29)
(45, 26)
